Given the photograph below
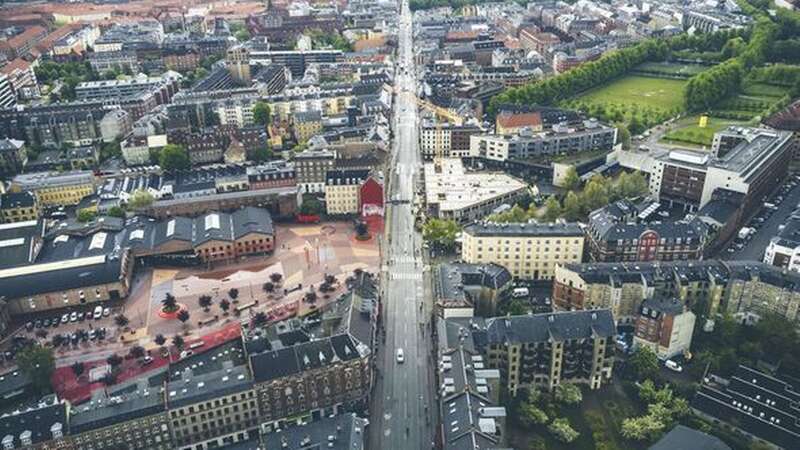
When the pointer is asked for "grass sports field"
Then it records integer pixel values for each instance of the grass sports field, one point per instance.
(656, 93)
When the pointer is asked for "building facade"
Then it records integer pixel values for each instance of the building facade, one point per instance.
(527, 250)
(665, 326)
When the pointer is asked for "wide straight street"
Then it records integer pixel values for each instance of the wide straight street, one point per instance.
(402, 410)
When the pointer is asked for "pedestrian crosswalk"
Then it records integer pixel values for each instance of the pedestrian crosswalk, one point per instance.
(404, 259)
(405, 275)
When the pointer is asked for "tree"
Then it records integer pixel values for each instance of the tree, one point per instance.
(114, 361)
(562, 430)
(140, 199)
(572, 207)
(169, 303)
(442, 232)
(174, 157)
(86, 215)
(552, 209)
(224, 305)
(78, 368)
(178, 342)
(242, 35)
(623, 136)
(533, 415)
(571, 181)
(261, 113)
(311, 206)
(233, 293)
(260, 319)
(160, 340)
(362, 231)
(205, 302)
(37, 363)
(268, 287)
(310, 297)
(641, 428)
(121, 320)
(137, 351)
(276, 277)
(183, 316)
(263, 154)
(644, 363)
(116, 211)
(568, 394)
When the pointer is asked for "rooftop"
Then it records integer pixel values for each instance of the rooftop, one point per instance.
(450, 186)
(530, 229)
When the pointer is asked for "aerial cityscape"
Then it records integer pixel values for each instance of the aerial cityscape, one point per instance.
(399, 225)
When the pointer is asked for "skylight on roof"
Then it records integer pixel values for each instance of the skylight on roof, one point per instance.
(171, 227)
(98, 241)
(212, 221)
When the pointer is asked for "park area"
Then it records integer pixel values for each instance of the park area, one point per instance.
(687, 131)
(648, 100)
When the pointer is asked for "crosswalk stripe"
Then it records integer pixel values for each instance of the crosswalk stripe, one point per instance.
(406, 276)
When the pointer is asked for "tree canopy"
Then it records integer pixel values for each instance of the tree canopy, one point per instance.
(37, 363)
(174, 157)
(442, 232)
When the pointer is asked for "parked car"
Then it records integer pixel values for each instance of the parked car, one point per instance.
(673, 366)
(98, 312)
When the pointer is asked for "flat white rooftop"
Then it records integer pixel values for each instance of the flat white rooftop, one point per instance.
(453, 188)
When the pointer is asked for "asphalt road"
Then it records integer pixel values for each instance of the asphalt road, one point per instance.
(754, 249)
(402, 407)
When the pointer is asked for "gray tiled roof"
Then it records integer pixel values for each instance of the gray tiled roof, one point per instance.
(557, 326)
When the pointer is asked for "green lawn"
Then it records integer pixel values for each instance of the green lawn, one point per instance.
(688, 131)
(629, 91)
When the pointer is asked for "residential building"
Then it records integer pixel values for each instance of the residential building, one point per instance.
(306, 125)
(463, 289)
(18, 207)
(13, 156)
(237, 61)
(21, 44)
(115, 124)
(7, 96)
(312, 167)
(107, 89)
(56, 189)
(446, 140)
(624, 231)
(343, 190)
(757, 404)
(36, 426)
(452, 192)
(560, 139)
(527, 250)
(340, 432)
(744, 289)
(22, 80)
(541, 350)
(296, 60)
(665, 326)
(512, 122)
(751, 161)
(122, 60)
(128, 415)
(783, 249)
(317, 370)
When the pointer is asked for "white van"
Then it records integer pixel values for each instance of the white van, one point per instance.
(520, 292)
(672, 365)
(197, 344)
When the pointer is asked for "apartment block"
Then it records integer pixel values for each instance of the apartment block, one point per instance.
(527, 250)
(745, 289)
(19, 207)
(56, 189)
(542, 350)
(665, 326)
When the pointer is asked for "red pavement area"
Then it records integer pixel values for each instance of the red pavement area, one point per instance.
(75, 390)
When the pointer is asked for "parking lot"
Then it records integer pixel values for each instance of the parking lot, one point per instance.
(766, 223)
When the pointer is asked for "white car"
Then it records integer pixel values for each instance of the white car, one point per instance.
(106, 312)
(672, 365)
(400, 356)
(73, 317)
(65, 318)
(98, 312)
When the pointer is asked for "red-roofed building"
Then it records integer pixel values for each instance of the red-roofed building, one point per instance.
(371, 197)
(509, 122)
(22, 78)
(19, 45)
